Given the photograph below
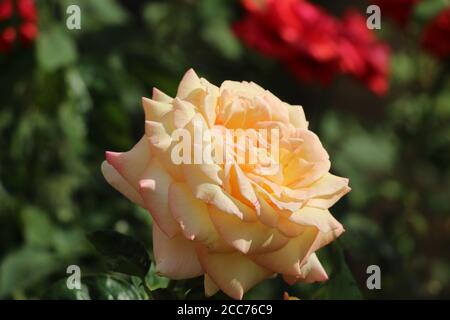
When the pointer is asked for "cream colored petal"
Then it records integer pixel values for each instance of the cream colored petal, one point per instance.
(120, 184)
(247, 237)
(193, 216)
(233, 273)
(157, 135)
(210, 287)
(188, 84)
(131, 164)
(154, 189)
(160, 96)
(297, 117)
(183, 112)
(155, 110)
(175, 258)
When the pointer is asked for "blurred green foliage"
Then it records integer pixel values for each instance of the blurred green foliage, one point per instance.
(77, 93)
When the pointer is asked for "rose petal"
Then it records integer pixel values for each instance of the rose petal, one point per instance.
(233, 273)
(247, 237)
(210, 287)
(290, 258)
(154, 189)
(175, 258)
(120, 184)
(160, 96)
(131, 164)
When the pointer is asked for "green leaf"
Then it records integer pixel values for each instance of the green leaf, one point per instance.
(341, 284)
(24, 268)
(55, 49)
(123, 253)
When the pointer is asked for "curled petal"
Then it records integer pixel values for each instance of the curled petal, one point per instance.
(131, 164)
(160, 96)
(120, 184)
(233, 273)
(191, 213)
(312, 271)
(290, 258)
(155, 110)
(247, 237)
(210, 287)
(175, 258)
(188, 84)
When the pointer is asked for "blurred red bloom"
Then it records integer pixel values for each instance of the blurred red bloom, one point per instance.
(398, 10)
(7, 38)
(436, 36)
(313, 44)
(26, 13)
(27, 10)
(6, 9)
(362, 55)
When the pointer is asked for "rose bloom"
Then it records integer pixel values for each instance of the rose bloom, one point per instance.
(234, 223)
(398, 10)
(313, 44)
(436, 37)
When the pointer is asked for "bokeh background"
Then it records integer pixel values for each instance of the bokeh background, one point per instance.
(66, 96)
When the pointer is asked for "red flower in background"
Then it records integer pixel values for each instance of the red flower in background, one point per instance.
(436, 36)
(362, 55)
(313, 44)
(398, 10)
(27, 30)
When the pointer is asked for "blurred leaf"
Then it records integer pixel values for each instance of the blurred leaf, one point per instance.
(341, 285)
(427, 10)
(38, 228)
(24, 268)
(123, 253)
(97, 287)
(55, 49)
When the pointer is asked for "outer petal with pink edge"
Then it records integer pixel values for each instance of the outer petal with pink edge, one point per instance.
(131, 164)
(120, 184)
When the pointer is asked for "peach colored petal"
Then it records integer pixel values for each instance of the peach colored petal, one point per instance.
(131, 164)
(120, 184)
(175, 258)
(288, 228)
(210, 287)
(247, 237)
(267, 214)
(319, 218)
(290, 258)
(325, 202)
(193, 216)
(312, 271)
(154, 189)
(233, 273)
